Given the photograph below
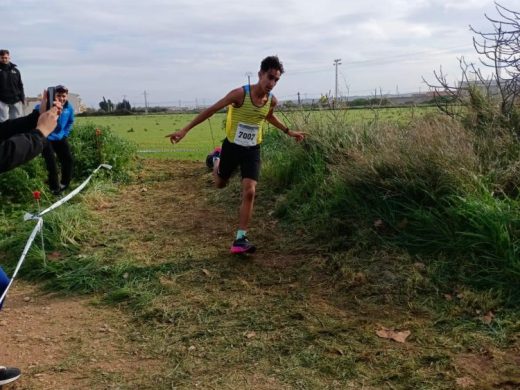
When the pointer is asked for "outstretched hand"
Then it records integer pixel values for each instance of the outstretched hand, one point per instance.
(177, 136)
(298, 135)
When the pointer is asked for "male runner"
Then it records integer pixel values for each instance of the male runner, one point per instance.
(249, 107)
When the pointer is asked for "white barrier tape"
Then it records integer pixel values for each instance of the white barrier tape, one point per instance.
(39, 224)
(28, 244)
(65, 199)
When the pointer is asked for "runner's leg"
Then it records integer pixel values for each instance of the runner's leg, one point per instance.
(248, 199)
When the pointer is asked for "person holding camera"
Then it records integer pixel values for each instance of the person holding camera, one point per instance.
(12, 96)
(24, 138)
(58, 145)
(21, 140)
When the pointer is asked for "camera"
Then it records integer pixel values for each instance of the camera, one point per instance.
(51, 93)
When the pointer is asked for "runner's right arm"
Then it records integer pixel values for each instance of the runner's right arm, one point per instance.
(235, 97)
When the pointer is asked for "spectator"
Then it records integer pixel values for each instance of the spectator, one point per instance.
(21, 140)
(12, 96)
(58, 146)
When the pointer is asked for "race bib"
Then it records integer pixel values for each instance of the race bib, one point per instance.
(246, 135)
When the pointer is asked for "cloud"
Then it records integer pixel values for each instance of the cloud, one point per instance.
(187, 50)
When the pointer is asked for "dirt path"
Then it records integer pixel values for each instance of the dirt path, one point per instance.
(66, 343)
(275, 320)
(70, 342)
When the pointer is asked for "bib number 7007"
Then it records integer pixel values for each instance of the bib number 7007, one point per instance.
(246, 134)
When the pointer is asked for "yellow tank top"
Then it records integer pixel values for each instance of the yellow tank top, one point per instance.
(244, 124)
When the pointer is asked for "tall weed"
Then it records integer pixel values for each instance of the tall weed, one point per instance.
(421, 186)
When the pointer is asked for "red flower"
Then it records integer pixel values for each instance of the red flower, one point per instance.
(98, 132)
(36, 195)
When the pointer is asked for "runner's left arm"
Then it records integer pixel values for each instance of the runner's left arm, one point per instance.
(272, 119)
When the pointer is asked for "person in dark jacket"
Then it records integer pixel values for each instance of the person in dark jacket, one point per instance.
(12, 96)
(21, 140)
(58, 145)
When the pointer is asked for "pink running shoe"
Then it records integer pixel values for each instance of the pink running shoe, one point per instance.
(242, 245)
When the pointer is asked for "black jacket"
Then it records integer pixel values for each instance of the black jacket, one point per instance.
(20, 141)
(11, 86)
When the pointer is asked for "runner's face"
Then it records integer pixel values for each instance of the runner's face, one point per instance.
(62, 97)
(4, 59)
(268, 80)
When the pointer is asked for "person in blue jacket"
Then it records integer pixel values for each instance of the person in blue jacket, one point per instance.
(58, 145)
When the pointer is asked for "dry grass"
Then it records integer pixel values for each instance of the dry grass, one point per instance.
(431, 147)
(282, 318)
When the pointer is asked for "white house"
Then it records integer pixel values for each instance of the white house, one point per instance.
(74, 99)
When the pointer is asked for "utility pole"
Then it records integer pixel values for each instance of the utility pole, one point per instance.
(299, 100)
(336, 63)
(248, 75)
(145, 103)
(499, 69)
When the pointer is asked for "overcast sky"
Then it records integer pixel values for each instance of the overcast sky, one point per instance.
(197, 50)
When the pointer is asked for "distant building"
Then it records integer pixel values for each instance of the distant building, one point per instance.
(74, 99)
(487, 87)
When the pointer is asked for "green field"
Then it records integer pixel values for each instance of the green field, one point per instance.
(149, 131)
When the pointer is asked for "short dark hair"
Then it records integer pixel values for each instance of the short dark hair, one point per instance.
(3, 52)
(61, 88)
(271, 62)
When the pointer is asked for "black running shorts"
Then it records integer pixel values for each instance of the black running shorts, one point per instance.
(233, 155)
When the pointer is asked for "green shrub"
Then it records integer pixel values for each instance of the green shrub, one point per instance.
(17, 185)
(93, 145)
(90, 147)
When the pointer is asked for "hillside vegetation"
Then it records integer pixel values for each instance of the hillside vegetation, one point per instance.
(364, 229)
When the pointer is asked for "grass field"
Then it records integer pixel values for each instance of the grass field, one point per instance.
(149, 131)
(366, 231)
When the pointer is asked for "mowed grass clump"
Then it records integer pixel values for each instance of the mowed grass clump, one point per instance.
(422, 186)
(70, 260)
